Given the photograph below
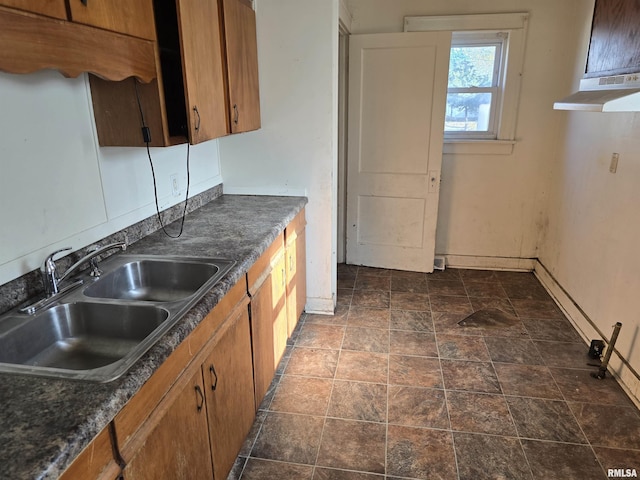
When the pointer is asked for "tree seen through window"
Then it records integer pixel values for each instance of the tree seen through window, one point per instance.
(472, 86)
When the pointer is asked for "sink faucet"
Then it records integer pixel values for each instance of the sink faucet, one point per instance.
(50, 279)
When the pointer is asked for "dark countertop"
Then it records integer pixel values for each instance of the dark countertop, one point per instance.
(45, 423)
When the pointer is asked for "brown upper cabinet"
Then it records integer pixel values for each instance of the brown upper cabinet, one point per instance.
(615, 38)
(207, 79)
(242, 65)
(38, 34)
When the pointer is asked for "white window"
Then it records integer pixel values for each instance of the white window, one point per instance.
(476, 78)
(485, 67)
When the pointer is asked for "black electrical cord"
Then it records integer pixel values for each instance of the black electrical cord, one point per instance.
(146, 136)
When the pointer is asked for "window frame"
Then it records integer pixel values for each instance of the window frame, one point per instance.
(514, 27)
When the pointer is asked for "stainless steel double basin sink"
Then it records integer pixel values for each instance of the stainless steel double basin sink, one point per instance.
(100, 329)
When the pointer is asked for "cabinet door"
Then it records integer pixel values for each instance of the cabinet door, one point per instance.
(228, 374)
(50, 8)
(174, 442)
(264, 363)
(133, 18)
(242, 65)
(202, 69)
(279, 308)
(296, 270)
(296, 278)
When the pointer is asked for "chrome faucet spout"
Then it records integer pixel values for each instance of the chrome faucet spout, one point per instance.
(48, 273)
(89, 256)
(48, 270)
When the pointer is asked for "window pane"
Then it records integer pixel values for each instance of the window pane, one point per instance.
(472, 66)
(467, 112)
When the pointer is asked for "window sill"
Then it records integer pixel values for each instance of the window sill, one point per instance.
(478, 147)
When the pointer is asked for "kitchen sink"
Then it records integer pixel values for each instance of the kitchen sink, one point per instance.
(80, 336)
(154, 280)
(99, 330)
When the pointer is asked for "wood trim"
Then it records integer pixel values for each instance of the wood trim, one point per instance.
(145, 401)
(478, 147)
(262, 267)
(50, 8)
(95, 461)
(32, 43)
(488, 263)
(619, 366)
(486, 21)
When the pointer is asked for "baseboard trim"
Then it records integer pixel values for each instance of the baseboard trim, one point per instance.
(627, 377)
(322, 306)
(489, 263)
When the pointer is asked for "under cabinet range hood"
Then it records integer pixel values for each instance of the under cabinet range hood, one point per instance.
(618, 93)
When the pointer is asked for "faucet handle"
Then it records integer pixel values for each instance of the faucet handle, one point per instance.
(48, 265)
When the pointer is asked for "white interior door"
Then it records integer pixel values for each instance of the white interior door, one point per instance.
(397, 98)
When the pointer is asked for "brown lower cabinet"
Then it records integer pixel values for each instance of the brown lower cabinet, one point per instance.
(174, 442)
(199, 426)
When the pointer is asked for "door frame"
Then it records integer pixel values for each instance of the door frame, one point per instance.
(343, 116)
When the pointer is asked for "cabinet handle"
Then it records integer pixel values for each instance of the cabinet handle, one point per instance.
(197, 126)
(214, 384)
(236, 114)
(284, 281)
(200, 397)
(291, 263)
(84, 2)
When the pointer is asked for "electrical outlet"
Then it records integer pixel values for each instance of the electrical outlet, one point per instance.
(175, 187)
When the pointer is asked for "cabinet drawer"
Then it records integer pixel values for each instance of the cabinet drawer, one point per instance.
(133, 18)
(258, 272)
(50, 8)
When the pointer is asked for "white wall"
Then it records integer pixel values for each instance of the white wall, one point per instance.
(492, 206)
(295, 151)
(58, 188)
(590, 244)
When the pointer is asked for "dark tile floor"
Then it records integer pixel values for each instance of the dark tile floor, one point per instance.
(391, 386)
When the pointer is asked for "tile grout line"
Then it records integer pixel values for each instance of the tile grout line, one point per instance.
(576, 420)
(504, 396)
(386, 433)
(444, 389)
(333, 382)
